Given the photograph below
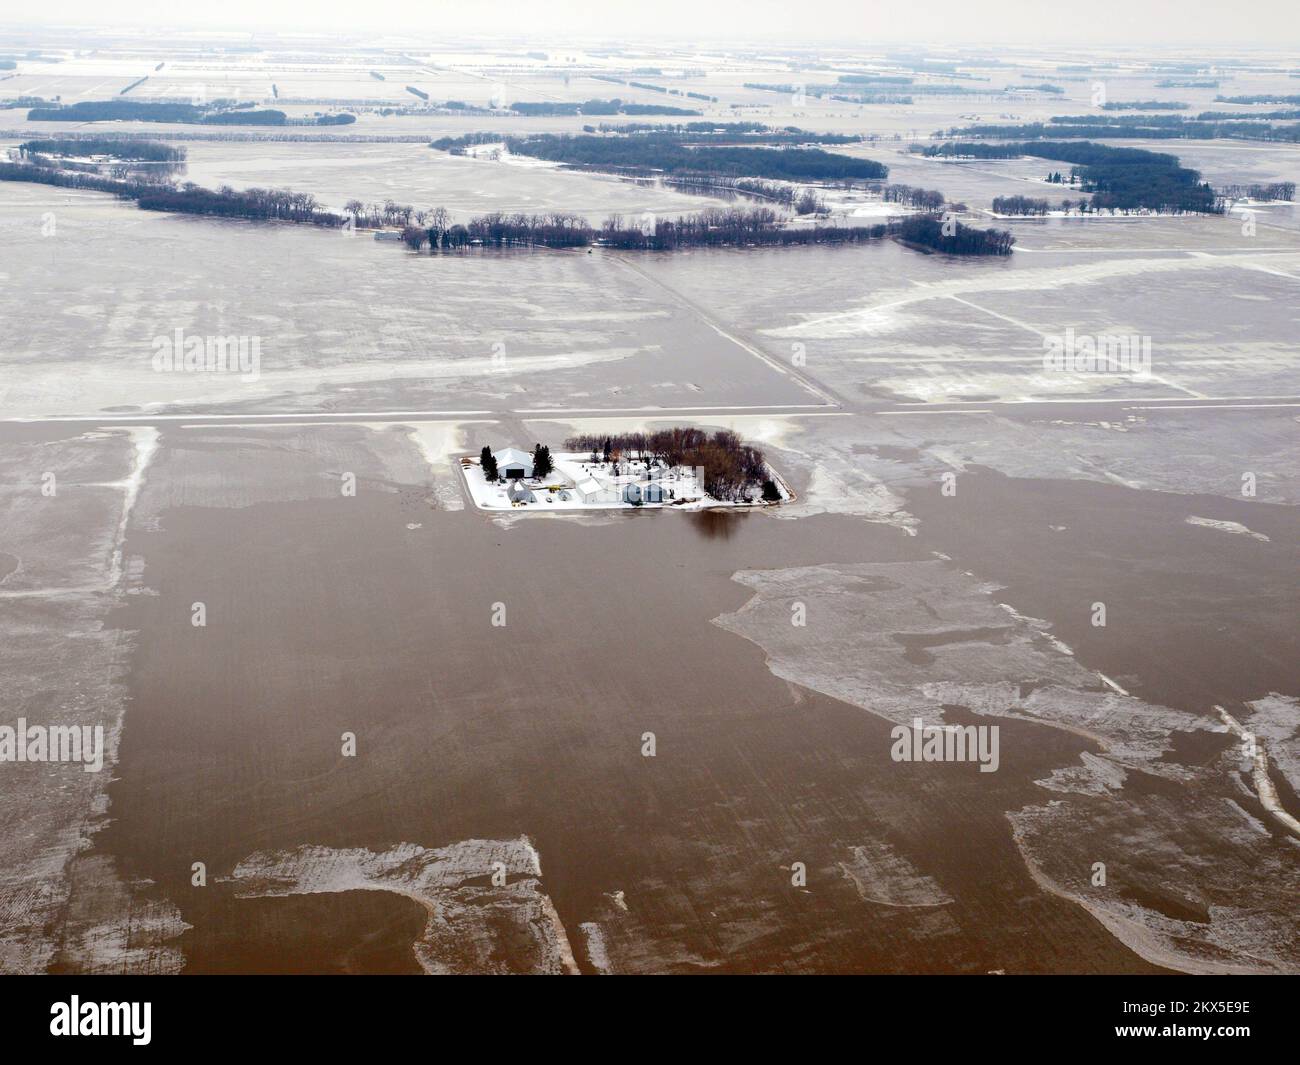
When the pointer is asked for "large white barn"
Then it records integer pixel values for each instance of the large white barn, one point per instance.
(513, 464)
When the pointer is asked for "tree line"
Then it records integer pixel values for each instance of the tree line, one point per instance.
(1277, 190)
(727, 133)
(217, 113)
(114, 147)
(69, 179)
(732, 469)
(716, 227)
(280, 134)
(434, 229)
(1019, 205)
(927, 199)
(597, 107)
(1120, 179)
(1261, 98)
(731, 187)
(264, 205)
(1131, 178)
(670, 156)
(1206, 126)
(256, 204)
(953, 238)
(1144, 105)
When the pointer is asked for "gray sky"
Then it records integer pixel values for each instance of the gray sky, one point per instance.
(1272, 24)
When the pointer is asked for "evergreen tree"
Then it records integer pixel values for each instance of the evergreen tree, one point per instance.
(489, 463)
(542, 464)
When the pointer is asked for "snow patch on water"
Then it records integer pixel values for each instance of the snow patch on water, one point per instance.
(884, 876)
(1234, 527)
(597, 951)
(144, 440)
(464, 933)
(437, 442)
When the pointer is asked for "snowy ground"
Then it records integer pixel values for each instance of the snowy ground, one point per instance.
(682, 485)
(852, 203)
(497, 152)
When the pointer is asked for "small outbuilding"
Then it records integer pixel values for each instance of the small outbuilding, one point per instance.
(591, 490)
(520, 493)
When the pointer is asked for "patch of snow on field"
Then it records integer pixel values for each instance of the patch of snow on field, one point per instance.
(499, 153)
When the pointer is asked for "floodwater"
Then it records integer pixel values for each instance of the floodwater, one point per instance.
(331, 615)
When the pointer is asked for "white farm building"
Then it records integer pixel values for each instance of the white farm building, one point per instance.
(513, 464)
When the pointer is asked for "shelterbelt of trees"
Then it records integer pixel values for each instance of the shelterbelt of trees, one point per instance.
(733, 470)
(113, 147)
(1275, 190)
(218, 113)
(1122, 179)
(715, 228)
(668, 154)
(255, 204)
(850, 90)
(800, 201)
(1262, 98)
(932, 234)
(1031, 207)
(1144, 105)
(597, 107)
(245, 135)
(434, 230)
(144, 161)
(1024, 205)
(733, 133)
(928, 199)
(1209, 125)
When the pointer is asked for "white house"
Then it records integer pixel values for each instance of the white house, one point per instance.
(513, 464)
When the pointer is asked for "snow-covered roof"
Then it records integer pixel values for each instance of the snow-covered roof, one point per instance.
(511, 454)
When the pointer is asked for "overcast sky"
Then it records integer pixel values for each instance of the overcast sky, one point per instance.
(1273, 24)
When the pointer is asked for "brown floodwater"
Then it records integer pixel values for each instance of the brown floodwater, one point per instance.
(1194, 616)
(331, 615)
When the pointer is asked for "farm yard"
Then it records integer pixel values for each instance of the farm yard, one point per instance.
(575, 480)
